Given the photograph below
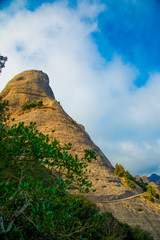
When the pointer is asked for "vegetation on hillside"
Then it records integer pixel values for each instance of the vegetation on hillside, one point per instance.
(152, 193)
(35, 178)
(120, 172)
(2, 62)
(32, 105)
(130, 180)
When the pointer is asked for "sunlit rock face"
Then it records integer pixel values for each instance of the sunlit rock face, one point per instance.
(27, 86)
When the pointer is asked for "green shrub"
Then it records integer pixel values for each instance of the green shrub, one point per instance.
(130, 183)
(119, 170)
(140, 234)
(72, 121)
(150, 197)
(139, 209)
(141, 184)
(110, 238)
(32, 105)
(129, 176)
(152, 192)
(111, 227)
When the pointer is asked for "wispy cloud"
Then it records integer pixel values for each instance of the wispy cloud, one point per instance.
(57, 39)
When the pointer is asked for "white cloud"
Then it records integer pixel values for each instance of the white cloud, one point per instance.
(122, 119)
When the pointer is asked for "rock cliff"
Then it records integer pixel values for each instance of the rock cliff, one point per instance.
(33, 85)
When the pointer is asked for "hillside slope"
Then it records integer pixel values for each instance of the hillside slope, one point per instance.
(33, 85)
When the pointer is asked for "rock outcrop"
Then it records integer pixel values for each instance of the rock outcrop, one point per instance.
(33, 85)
(26, 87)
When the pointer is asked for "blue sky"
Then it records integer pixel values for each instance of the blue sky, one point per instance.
(102, 58)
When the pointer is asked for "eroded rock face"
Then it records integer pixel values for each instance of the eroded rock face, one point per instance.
(33, 85)
(26, 87)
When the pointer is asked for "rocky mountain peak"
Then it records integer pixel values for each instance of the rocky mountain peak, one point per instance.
(28, 86)
(154, 178)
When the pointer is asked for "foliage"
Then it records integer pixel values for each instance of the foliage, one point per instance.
(112, 227)
(120, 172)
(87, 214)
(35, 176)
(142, 184)
(139, 209)
(130, 183)
(32, 105)
(150, 197)
(30, 203)
(151, 193)
(151, 190)
(140, 234)
(127, 175)
(73, 121)
(3, 110)
(2, 62)
(110, 238)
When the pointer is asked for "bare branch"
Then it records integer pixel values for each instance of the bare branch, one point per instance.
(16, 215)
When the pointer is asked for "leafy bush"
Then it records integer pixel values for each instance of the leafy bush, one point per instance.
(2, 62)
(72, 121)
(152, 193)
(139, 209)
(130, 183)
(34, 200)
(128, 176)
(32, 105)
(140, 234)
(119, 170)
(142, 184)
(4, 115)
(112, 227)
(110, 238)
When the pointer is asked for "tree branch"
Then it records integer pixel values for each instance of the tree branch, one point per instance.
(16, 215)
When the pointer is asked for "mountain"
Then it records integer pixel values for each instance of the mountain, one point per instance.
(111, 194)
(31, 86)
(154, 178)
(144, 178)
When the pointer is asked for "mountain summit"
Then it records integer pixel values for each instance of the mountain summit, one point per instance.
(111, 194)
(154, 178)
(26, 87)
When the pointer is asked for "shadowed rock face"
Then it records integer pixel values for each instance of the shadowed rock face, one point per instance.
(33, 85)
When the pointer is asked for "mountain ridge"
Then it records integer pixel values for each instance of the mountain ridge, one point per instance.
(154, 178)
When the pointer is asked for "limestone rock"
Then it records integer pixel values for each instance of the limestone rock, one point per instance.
(145, 179)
